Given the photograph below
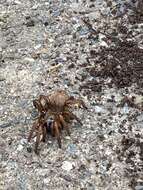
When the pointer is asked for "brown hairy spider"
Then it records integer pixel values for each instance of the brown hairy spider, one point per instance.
(58, 106)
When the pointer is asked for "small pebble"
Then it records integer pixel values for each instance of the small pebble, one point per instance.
(67, 166)
(20, 147)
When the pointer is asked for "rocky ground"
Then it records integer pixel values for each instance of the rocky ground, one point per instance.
(94, 50)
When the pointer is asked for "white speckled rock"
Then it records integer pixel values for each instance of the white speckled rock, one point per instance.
(67, 166)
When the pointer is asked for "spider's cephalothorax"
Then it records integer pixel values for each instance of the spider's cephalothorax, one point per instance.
(56, 105)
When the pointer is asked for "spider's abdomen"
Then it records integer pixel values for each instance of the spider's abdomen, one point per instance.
(58, 99)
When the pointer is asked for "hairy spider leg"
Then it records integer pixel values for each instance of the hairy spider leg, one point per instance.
(64, 124)
(52, 129)
(73, 101)
(38, 134)
(44, 131)
(57, 134)
(32, 131)
(73, 116)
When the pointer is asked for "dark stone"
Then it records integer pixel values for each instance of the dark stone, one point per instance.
(29, 149)
(66, 177)
(72, 65)
(34, 113)
(30, 23)
(5, 125)
(46, 23)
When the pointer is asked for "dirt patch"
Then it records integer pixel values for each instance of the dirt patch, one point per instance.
(123, 64)
(131, 147)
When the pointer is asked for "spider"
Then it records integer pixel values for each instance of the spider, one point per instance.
(56, 105)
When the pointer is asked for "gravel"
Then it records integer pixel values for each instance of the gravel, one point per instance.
(94, 51)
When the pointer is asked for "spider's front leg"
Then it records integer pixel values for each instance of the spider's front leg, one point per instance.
(72, 116)
(32, 131)
(44, 132)
(64, 124)
(57, 133)
(81, 103)
(52, 129)
(77, 102)
(39, 132)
